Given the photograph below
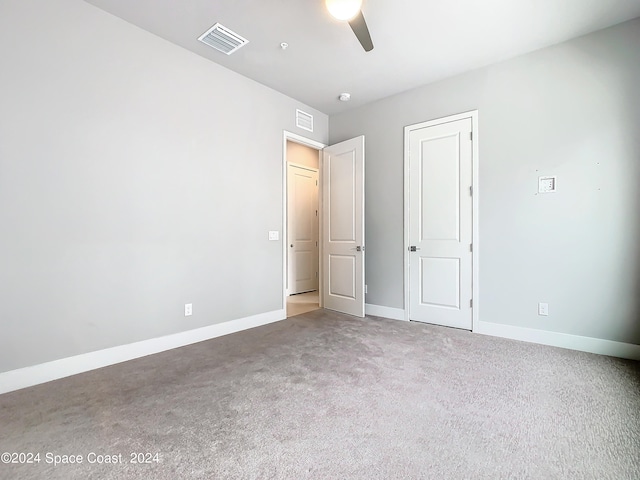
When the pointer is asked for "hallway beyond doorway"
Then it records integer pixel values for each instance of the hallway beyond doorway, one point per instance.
(302, 303)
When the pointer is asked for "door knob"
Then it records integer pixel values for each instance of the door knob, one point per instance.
(292, 245)
(413, 248)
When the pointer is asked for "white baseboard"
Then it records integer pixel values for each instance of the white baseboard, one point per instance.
(386, 312)
(564, 340)
(45, 372)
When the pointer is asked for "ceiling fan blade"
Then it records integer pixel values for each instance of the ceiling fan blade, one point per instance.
(359, 27)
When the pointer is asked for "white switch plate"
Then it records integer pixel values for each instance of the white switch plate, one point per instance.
(274, 235)
(547, 184)
(188, 309)
(543, 309)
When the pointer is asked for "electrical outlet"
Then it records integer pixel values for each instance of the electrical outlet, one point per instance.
(188, 309)
(543, 309)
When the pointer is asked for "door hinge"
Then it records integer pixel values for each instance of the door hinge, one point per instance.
(471, 190)
(316, 213)
(316, 183)
(471, 247)
(316, 274)
(471, 303)
(471, 136)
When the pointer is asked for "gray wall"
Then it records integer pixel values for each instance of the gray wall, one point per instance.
(135, 177)
(572, 110)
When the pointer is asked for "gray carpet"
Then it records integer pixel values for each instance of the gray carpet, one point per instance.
(323, 395)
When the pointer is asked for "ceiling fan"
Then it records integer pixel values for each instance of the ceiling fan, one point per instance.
(351, 11)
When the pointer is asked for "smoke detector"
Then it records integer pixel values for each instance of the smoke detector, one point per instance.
(344, 97)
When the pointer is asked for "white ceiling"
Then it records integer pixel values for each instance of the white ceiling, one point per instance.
(416, 41)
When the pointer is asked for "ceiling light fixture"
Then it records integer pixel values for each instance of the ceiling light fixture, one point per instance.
(343, 9)
(344, 97)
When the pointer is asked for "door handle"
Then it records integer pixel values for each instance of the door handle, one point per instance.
(413, 248)
(292, 245)
(359, 248)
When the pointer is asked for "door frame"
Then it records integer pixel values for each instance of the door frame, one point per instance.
(475, 167)
(294, 137)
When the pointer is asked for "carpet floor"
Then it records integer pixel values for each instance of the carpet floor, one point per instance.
(328, 396)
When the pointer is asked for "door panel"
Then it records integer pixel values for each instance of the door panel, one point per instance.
(440, 189)
(303, 262)
(343, 227)
(342, 273)
(342, 178)
(440, 224)
(440, 281)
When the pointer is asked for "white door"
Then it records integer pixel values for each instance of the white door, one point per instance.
(302, 229)
(343, 227)
(440, 223)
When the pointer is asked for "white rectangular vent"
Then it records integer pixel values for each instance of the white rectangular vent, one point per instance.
(304, 120)
(223, 39)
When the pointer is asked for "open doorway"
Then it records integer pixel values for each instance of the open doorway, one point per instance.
(302, 220)
(340, 221)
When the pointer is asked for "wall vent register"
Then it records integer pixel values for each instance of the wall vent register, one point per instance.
(304, 120)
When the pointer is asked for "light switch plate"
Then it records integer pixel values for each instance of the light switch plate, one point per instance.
(543, 309)
(274, 235)
(547, 184)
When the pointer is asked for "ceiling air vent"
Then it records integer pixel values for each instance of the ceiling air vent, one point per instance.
(304, 120)
(223, 39)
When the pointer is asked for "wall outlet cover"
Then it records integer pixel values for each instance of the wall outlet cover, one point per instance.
(547, 184)
(543, 309)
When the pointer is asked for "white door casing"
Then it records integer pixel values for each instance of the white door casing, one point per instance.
(302, 229)
(343, 227)
(294, 137)
(440, 222)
